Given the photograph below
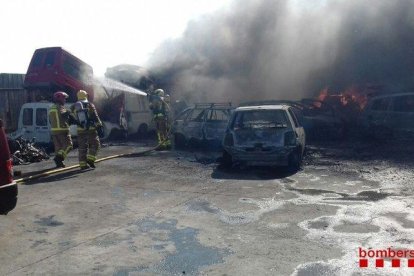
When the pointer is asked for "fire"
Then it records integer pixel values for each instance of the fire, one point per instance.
(353, 96)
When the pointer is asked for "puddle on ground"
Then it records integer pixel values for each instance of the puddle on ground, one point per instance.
(356, 228)
(264, 206)
(367, 196)
(403, 219)
(316, 269)
(189, 255)
(361, 196)
(49, 221)
(201, 206)
(322, 224)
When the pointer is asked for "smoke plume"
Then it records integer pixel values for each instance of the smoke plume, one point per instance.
(270, 49)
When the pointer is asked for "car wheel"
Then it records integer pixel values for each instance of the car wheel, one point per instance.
(179, 141)
(295, 160)
(226, 161)
(142, 131)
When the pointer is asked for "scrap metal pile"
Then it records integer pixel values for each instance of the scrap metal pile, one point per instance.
(25, 152)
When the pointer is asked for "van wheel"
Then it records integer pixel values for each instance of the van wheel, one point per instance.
(295, 160)
(179, 141)
(142, 131)
(118, 134)
(226, 161)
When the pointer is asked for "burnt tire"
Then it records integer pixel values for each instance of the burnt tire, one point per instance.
(179, 141)
(295, 160)
(142, 131)
(226, 161)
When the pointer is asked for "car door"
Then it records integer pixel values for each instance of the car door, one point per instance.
(377, 115)
(300, 132)
(215, 124)
(401, 118)
(180, 120)
(193, 124)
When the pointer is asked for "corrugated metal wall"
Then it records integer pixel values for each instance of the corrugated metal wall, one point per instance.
(12, 97)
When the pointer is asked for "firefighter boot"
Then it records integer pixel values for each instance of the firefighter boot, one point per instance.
(83, 165)
(59, 161)
(91, 161)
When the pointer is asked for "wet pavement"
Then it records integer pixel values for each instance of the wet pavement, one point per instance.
(176, 213)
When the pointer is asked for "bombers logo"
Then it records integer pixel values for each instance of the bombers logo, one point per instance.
(390, 254)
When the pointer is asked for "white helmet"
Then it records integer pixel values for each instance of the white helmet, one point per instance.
(159, 92)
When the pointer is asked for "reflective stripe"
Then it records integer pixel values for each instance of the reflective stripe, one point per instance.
(82, 163)
(91, 158)
(55, 125)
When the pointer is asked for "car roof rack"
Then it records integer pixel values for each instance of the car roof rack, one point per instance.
(272, 102)
(211, 105)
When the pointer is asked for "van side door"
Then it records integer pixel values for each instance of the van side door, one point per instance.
(27, 122)
(41, 125)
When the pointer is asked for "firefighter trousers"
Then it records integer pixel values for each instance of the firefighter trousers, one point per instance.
(162, 129)
(88, 147)
(62, 143)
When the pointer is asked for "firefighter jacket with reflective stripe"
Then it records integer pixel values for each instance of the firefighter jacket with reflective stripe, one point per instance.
(92, 115)
(158, 106)
(58, 116)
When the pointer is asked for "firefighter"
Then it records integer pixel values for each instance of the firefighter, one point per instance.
(60, 119)
(89, 125)
(159, 106)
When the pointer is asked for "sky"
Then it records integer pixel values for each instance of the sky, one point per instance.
(102, 33)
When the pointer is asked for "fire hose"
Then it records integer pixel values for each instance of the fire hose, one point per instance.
(60, 170)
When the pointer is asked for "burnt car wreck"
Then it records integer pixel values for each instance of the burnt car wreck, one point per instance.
(202, 125)
(264, 135)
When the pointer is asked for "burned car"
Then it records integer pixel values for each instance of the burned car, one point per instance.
(388, 116)
(269, 135)
(320, 120)
(203, 124)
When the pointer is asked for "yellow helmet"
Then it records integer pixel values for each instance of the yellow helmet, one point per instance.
(82, 95)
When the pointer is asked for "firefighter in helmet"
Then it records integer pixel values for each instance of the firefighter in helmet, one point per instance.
(89, 126)
(60, 119)
(159, 104)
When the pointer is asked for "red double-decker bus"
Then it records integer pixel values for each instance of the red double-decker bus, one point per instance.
(53, 69)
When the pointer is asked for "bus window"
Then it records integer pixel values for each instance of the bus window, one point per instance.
(71, 69)
(50, 59)
(38, 58)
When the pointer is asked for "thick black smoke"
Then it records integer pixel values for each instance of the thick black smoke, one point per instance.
(270, 49)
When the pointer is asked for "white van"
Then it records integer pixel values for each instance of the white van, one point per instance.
(125, 112)
(137, 113)
(389, 115)
(34, 122)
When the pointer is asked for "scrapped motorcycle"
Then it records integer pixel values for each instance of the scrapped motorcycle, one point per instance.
(25, 152)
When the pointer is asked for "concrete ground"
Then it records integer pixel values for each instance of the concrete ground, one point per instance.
(175, 213)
